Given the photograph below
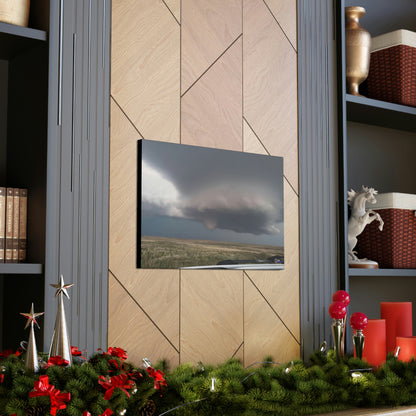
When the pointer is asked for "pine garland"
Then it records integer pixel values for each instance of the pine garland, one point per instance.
(296, 388)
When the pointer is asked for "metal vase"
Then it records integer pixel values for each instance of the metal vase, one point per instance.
(357, 49)
(358, 341)
(337, 333)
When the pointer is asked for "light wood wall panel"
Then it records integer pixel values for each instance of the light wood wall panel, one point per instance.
(211, 314)
(284, 12)
(251, 142)
(157, 293)
(238, 74)
(145, 76)
(208, 29)
(281, 289)
(269, 72)
(212, 108)
(264, 332)
(123, 194)
(175, 7)
(131, 329)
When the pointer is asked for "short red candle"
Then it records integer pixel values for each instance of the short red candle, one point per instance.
(374, 350)
(398, 316)
(407, 348)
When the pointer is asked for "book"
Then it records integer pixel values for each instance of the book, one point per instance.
(15, 235)
(2, 221)
(22, 225)
(8, 248)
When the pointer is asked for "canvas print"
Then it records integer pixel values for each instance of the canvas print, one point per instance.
(208, 208)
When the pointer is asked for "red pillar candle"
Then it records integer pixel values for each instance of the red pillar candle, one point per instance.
(407, 348)
(374, 350)
(398, 316)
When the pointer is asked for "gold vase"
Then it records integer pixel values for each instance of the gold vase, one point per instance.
(357, 49)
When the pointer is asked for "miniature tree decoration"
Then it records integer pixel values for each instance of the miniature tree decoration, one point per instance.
(32, 360)
(60, 344)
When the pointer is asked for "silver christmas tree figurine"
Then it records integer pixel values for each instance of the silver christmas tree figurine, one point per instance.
(32, 360)
(60, 344)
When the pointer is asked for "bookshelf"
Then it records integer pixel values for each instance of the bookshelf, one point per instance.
(377, 141)
(14, 40)
(24, 69)
(54, 141)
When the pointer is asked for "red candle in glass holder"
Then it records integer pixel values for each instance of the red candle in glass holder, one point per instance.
(398, 316)
(374, 350)
(407, 348)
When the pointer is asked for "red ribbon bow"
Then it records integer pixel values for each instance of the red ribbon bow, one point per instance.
(157, 375)
(6, 353)
(107, 412)
(118, 352)
(56, 360)
(58, 399)
(135, 375)
(119, 381)
(1, 378)
(76, 352)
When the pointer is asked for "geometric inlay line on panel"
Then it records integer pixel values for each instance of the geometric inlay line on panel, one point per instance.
(238, 349)
(251, 141)
(208, 29)
(211, 110)
(212, 64)
(271, 307)
(127, 117)
(284, 13)
(147, 315)
(174, 6)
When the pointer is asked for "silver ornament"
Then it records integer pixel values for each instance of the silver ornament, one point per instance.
(60, 344)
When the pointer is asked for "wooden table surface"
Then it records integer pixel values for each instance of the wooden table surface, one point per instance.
(388, 411)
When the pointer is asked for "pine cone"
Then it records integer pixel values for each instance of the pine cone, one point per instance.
(39, 410)
(148, 409)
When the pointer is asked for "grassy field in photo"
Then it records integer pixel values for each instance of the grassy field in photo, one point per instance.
(173, 253)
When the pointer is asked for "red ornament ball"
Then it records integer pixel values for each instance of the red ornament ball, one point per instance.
(341, 296)
(337, 310)
(358, 321)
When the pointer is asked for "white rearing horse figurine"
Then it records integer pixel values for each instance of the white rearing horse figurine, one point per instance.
(360, 217)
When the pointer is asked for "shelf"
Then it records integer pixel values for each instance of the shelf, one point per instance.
(21, 268)
(380, 113)
(382, 272)
(16, 39)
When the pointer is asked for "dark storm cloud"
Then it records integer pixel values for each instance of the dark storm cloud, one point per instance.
(225, 190)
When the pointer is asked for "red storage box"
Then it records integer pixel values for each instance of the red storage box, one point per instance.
(395, 246)
(392, 73)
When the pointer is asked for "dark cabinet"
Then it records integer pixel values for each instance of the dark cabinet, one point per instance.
(54, 140)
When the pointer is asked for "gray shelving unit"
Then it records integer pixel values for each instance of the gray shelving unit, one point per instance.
(377, 142)
(24, 68)
(54, 140)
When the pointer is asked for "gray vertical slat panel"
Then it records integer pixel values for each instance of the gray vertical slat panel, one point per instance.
(81, 211)
(53, 172)
(318, 168)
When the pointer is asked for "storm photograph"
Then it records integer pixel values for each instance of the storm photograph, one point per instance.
(208, 208)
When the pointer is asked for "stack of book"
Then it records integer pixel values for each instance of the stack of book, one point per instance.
(13, 225)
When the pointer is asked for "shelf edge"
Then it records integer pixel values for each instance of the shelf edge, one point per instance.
(21, 268)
